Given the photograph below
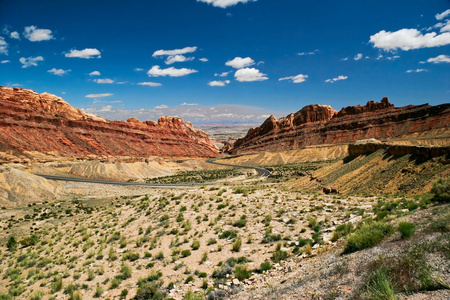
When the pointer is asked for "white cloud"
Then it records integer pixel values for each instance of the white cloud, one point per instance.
(295, 79)
(188, 104)
(443, 15)
(249, 74)
(192, 113)
(438, 59)
(177, 58)
(175, 52)
(5, 61)
(138, 69)
(407, 39)
(30, 61)
(340, 77)
(218, 83)
(150, 83)
(358, 56)
(95, 73)
(104, 80)
(203, 59)
(224, 3)
(156, 71)
(3, 46)
(223, 74)
(15, 35)
(98, 95)
(33, 34)
(308, 53)
(416, 71)
(239, 62)
(85, 53)
(59, 72)
(163, 106)
(344, 59)
(445, 27)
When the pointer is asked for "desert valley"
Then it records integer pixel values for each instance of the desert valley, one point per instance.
(320, 204)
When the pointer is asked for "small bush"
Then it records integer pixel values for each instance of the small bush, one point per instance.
(236, 247)
(279, 255)
(241, 273)
(441, 190)
(368, 235)
(195, 245)
(265, 266)
(406, 229)
(186, 253)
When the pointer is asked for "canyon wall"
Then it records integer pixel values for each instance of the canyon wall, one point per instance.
(321, 124)
(43, 127)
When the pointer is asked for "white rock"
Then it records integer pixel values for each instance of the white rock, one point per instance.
(236, 281)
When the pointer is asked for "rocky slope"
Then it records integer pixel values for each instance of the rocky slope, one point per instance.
(44, 127)
(321, 124)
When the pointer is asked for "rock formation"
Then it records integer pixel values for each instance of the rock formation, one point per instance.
(43, 126)
(321, 124)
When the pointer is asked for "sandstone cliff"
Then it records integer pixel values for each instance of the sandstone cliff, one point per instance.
(44, 127)
(321, 124)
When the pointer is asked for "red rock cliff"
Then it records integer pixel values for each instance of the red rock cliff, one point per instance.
(33, 124)
(321, 124)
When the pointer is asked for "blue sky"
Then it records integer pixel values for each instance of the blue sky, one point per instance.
(226, 60)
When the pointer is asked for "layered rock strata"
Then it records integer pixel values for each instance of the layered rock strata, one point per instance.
(36, 125)
(321, 124)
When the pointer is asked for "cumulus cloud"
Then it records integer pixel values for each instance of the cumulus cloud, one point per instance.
(188, 104)
(175, 51)
(33, 34)
(30, 61)
(95, 73)
(358, 56)
(85, 53)
(3, 46)
(340, 77)
(295, 79)
(149, 83)
(98, 95)
(408, 39)
(177, 58)
(249, 74)
(224, 3)
(203, 59)
(443, 15)
(239, 62)
(218, 83)
(15, 35)
(163, 106)
(438, 59)
(59, 72)
(416, 71)
(156, 71)
(104, 80)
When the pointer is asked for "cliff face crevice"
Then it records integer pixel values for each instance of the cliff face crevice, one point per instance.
(46, 124)
(321, 124)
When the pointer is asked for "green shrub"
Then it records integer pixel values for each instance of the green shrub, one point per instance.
(441, 190)
(341, 231)
(150, 287)
(279, 255)
(195, 245)
(98, 291)
(186, 253)
(406, 229)
(236, 247)
(379, 286)
(265, 266)
(241, 273)
(368, 235)
(12, 244)
(228, 234)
